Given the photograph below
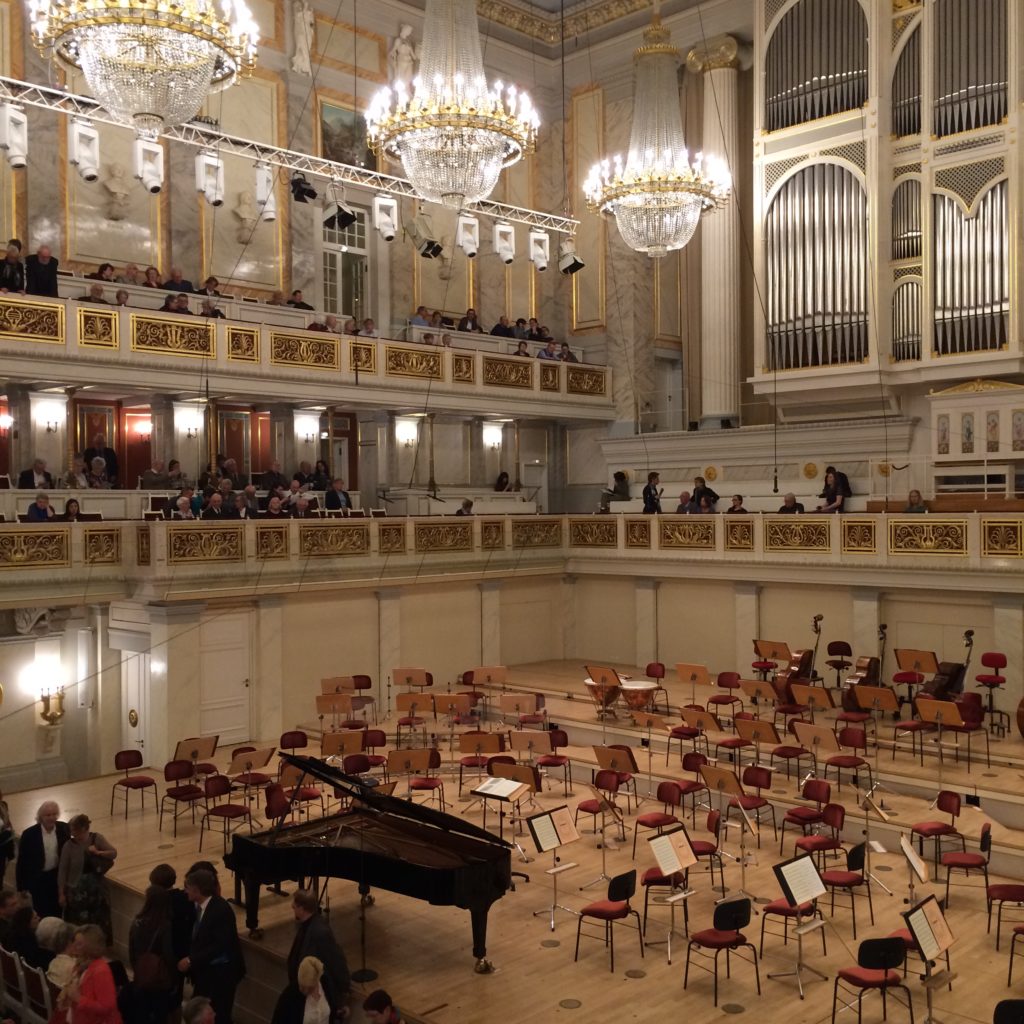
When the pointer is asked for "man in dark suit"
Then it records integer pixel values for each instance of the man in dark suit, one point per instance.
(38, 856)
(790, 506)
(273, 477)
(41, 273)
(313, 937)
(337, 497)
(215, 509)
(35, 476)
(99, 449)
(214, 961)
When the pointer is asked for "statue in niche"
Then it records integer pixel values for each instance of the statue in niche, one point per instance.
(248, 214)
(403, 56)
(447, 259)
(118, 191)
(33, 621)
(304, 26)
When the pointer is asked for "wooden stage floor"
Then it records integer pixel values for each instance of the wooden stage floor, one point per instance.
(423, 953)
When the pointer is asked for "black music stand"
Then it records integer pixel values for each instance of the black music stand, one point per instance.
(932, 936)
(606, 807)
(725, 783)
(869, 807)
(941, 714)
(551, 830)
(801, 883)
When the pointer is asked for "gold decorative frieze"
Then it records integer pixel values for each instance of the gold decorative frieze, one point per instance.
(548, 28)
(638, 533)
(1002, 538)
(22, 320)
(492, 534)
(272, 540)
(463, 369)
(205, 544)
(103, 546)
(928, 535)
(739, 534)
(797, 533)
(593, 533)
(697, 532)
(362, 357)
(508, 373)
(549, 378)
(97, 328)
(404, 362)
(320, 540)
(528, 532)
(391, 538)
(320, 353)
(178, 337)
(143, 545)
(446, 537)
(39, 548)
(581, 380)
(243, 345)
(859, 536)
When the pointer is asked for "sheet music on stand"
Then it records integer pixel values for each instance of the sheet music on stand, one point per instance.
(929, 928)
(799, 880)
(672, 851)
(501, 789)
(552, 829)
(917, 865)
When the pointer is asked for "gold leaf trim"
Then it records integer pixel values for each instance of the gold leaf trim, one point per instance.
(927, 535)
(696, 533)
(593, 533)
(40, 548)
(492, 534)
(21, 320)
(143, 545)
(859, 536)
(507, 373)
(362, 357)
(1002, 538)
(243, 345)
(444, 537)
(585, 381)
(797, 533)
(549, 379)
(319, 353)
(638, 533)
(205, 544)
(272, 540)
(103, 546)
(97, 328)
(391, 538)
(178, 337)
(404, 362)
(317, 540)
(739, 534)
(542, 533)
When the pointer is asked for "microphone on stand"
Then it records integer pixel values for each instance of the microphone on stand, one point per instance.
(818, 618)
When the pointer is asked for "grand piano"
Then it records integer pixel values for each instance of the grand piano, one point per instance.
(380, 842)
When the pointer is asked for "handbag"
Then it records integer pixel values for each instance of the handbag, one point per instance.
(151, 971)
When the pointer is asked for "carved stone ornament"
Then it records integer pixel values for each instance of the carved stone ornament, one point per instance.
(585, 381)
(362, 357)
(271, 540)
(638, 533)
(545, 27)
(243, 345)
(978, 386)
(537, 533)
(172, 337)
(309, 353)
(143, 545)
(859, 536)
(593, 533)
(492, 534)
(1002, 539)
(33, 621)
(403, 362)
(321, 541)
(739, 534)
(97, 328)
(549, 378)
(35, 549)
(21, 320)
(508, 373)
(187, 544)
(463, 369)
(687, 533)
(448, 537)
(797, 533)
(926, 535)
(103, 546)
(391, 538)
(719, 52)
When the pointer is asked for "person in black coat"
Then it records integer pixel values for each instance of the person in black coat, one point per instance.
(41, 273)
(35, 871)
(27, 477)
(99, 449)
(214, 960)
(12, 270)
(337, 497)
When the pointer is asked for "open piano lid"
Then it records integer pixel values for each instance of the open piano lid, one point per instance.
(388, 804)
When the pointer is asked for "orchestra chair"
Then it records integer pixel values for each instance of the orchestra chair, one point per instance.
(538, 716)
(790, 752)
(833, 819)
(1002, 893)
(801, 914)
(818, 792)
(476, 748)
(858, 719)
(232, 816)
(725, 934)
(410, 707)
(838, 651)
(468, 678)
(692, 787)
(292, 740)
(301, 794)
(355, 764)
(652, 879)
(656, 670)
(789, 712)
(959, 860)
(430, 783)
(734, 744)
(249, 780)
(753, 803)
(125, 761)
(711, 852)
(878, 963)
(764, 667)
(374, 740)
(39, 1002)
(616, 907)
(669, 795)
(559, 741)
(910, 949)
(608, 782)
(991, 681)
(278, 806)
(910, 680)
(730, 682)
(682, 733)
(362, 701)
(947, 802)
(416, 679)
(1018, 932)
(855, 740)
(851, 880)
(183, 796)
(1008, 1011)
(916, 729)
(628, 778)
(973, 713)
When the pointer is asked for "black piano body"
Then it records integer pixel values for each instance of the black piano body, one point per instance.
(381, 842)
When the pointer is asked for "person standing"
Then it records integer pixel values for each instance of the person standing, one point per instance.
(41, 273)
(101, 450)
(91, 995)
(154, 990)
(39, 853)
(6, 837)
(652, 495)
(81, 888)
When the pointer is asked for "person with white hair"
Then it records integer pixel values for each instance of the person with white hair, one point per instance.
(39, 852)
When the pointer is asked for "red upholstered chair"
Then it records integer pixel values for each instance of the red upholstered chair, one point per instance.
(429, 783)
(374, 740)
(184, 795)
(877, 970)
(860, 719)
(760, 778)
(910, 680)
(1002, 893)
(764, 667)
(692, 787)
(615, 908)
(733, 744)
(991, 681)
(627, 779)
(947, 802)
(605, 780)
(538, 717)
(852, 880)
(300, 793)
(125, 761)
(711, 852)
(249, 780)
(292, 740)
(652, 879)
(727, 701)
(411, 709)
(803, 817)
(916, 730)
(278, 805)
(792, 751)
(656, 670)
(559, 740)
(684, 733)
(910, 949)
(362, 699)
(356, 764)
(800, 915)
(789, 711)
(855, 740)
(670, 796)
(833, 818)
(838, 652)
(725, 934)
(478, 761)
(961, 860)
(972, 711)
(231, 816)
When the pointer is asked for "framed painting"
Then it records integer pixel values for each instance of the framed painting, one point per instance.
(342, 135)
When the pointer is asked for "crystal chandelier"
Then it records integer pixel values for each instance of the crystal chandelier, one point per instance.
(149, 63)
(454, 134)
(659, 194)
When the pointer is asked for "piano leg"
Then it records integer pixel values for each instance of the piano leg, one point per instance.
(252, 906)
(478, 914)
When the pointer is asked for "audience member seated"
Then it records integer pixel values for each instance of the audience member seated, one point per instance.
(302, 509)
(567, 355)
(379, 1009)
(41, 273)
(174, 473)
(503, 483)
(368, 329)
(471, 322)
(351, 327)
(252, 503)
(522, 349)
(40, 510)
(226, 492)
(12, 270)
(121, 298)
(277, 299)
(790, 506)
(320, 478)
(331, 323)
(736, 505)
(428, 339)
(230, 470)
(273, 477)
(337, 497)
(105, 272)
(834, 493)
(421, 318)
(130, 275)
(99, 447)
(706, 506)
(57, 937)
(520, 330)
(915, 503)
(95, 294)
(99, 478)
(687, 506)
(439, 320)
(210, 286)
(208, 309)
(215, 507)
(315, 325)
(549, 351)
(177, 282)
(465, 509)
(152, 278)
(294, 492)
(619, 490)
(503, 329)
(72, 511)
(168, 306)
(296, 301)
(23, 938)
(156, 477)
(544, 335)
(35, 477)
(183, 508)
(303, 474)
(275, 509)
(78, 474)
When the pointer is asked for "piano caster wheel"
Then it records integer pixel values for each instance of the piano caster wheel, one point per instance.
(483, 966)
(366, 900)
(256, 934)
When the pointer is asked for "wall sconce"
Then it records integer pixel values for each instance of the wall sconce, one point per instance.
(191, 433)
(492, 436)
(48, 415)
(6, 422)
(307, 428)
(189, 420)
(144, 429)
(53, 704)
(51, 426)
(406, 432)
(310, 438)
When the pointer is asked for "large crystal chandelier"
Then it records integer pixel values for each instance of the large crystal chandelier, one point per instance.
(454, 134)
(149, 63)
(659, 194)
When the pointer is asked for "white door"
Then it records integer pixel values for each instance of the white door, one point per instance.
(134, 702)
(224, 668)
(535, 484)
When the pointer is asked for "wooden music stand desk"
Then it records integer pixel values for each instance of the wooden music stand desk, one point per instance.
(703, 720)
(337, 705)
(341, 744)
(820, 740)
(490, 674)
(252, 761)
(753, 730)
(518, 704)
(337, 684)
(695, 675)
(758, 689)
(196, 748)
(410, 676)
(911, 660)
(480, 743)
(614, 760)
(876, 698)
(772, 650)
(530, 741)
(942, 714)
(453, 704)
(816, 698)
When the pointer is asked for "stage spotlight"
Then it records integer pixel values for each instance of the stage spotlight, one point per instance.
(385, 217)
(540, 249)
(467, 235)
(84, 149)
(14, 134)
(266, 196)
(210, 177)
(505, 242)
(422, 236)
(568, 261)
(302, 191)
(149, 164)
(338, 215)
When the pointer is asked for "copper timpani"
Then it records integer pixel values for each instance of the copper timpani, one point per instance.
(603, 695)
(639, 696)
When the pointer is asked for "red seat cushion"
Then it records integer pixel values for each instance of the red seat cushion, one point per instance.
(136, 782)
(252, 779)
(229, 811)
(842, 879)
(1006, 891)
(589, 807)
(846, 761)
(712, 938)
(531, 719)
(853, 716)
(914, 678)
(803, 815)
(766, 665)
(987, 680)
(376, 760)
(915, 726)
(748, 803)
(734, 743)
(686, 788)
(782, 908)
(410, 721)
(422, 782)
(305, 793)
(656, 819)
(724, 698)
(816, 844)
(473, 761)
(791, 709)
(904, 934)
(189, 792)
(654, 876)
(865, 977)
(1018, 929)
(929, 829)
(963, 860)
(684, 732)
(788, 752)
(702, 848)
(552, 760)
(606, 910)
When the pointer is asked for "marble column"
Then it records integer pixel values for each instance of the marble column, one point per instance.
(367, 451)
(477, 455)
(282, 437)
(567, 603)
(748, 623)
(161, 418)
(388, 452)
(646, 606)
(490, 622)
(719, 61)
(22, 443)
(558, 470)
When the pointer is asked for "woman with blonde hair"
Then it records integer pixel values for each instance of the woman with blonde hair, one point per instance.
(91, 995)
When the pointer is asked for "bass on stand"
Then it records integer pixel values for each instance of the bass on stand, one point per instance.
(882, 627)
(816, 626)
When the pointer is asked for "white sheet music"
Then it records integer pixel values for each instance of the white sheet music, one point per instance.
(922, 930)
(544, 833)
(561, 818)
(918, 866)
(672, 851)
(803, 880)
(503, 789)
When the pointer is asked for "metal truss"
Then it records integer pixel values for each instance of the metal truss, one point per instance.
(204, 136)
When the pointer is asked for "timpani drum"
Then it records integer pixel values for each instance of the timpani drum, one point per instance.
(603, 695)
(639, 696)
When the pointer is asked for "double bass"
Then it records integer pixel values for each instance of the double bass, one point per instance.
(798, 670)
(948, 681)
(866, 672)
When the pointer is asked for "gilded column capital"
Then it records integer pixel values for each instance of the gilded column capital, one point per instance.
(719, 52)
